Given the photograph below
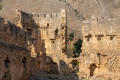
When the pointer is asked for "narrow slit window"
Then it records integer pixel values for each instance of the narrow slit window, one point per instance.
(47, 24)
(53, 41)
(111, 37)
(51, 16)
(88, 37)
(99, 37)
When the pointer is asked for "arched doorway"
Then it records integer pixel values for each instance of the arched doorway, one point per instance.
(92, 69)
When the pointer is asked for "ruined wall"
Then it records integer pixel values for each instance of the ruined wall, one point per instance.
(15, 62)
(100, 51)
(15, 52)
(97, 33)
(43, 37)
(97, 65)
(9, 33)
(51, 34)
(53, 31)
(25, 21)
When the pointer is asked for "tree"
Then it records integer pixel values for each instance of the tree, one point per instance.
(77, 48)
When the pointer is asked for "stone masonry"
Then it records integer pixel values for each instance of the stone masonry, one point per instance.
(100, 50)
(37, 42)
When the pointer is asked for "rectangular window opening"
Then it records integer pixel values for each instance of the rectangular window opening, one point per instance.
(99, 37)
(88, 37)
(111, 37)
(52, 41)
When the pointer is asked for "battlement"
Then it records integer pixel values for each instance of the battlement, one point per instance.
(30, 20)
(46, 15)
(50, 15)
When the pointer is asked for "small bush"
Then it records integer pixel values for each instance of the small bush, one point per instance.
(77, 48)
(71, 37)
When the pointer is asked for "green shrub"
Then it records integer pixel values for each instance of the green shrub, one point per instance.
(71, 37)
(77, 48)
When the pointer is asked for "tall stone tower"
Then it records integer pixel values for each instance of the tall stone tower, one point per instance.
(52, 28)
(49, 28)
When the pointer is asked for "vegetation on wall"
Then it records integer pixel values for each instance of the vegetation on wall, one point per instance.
(77, 48)
(71, 37)
(75, 67)
(74, 50)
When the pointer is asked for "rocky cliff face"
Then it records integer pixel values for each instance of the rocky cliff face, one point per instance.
(99, 8)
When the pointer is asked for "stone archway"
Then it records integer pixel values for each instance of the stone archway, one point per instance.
(92, 69)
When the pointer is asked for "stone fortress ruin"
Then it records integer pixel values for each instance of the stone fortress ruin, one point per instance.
(100, 50)
(38, 42)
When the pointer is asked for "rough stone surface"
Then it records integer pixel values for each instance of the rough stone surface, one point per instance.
(100, 50)
(37, 42)
(32, 44)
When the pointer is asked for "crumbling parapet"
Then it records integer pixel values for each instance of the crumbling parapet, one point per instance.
(24, 20)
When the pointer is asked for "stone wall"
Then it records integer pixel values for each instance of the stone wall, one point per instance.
(15, 62)
(35, 43)
(100, 51)
(97, 33)
(15, 54)
(49, 29)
